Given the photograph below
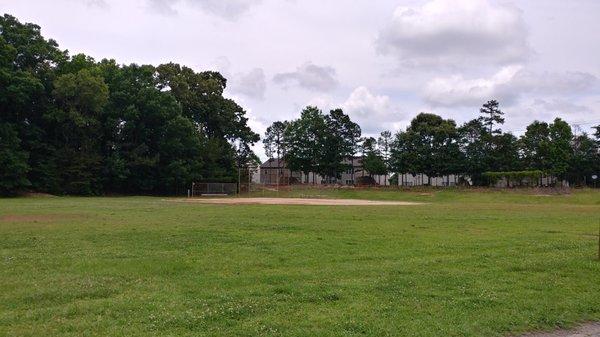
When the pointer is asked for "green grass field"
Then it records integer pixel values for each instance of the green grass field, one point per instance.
(467, 263)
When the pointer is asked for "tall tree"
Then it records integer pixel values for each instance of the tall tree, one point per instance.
(80, 99)
(219, 119)
(26, 76)
(403, 155)
(535, 146)
(492, 115)
(304, 139)
(561, 152)
(473, 143)
(585, 161)
(372, 160)
(384, 143)
(339, 143)
(74, 125)
(504, 154)
(597, 132)
(432, 140)
(274, 140)
(13, 162)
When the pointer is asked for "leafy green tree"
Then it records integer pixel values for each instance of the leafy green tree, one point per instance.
(374, 164)
(384, 143)
(80, 98)
(403, 154)
(304, 139)
(74, 125)
(434, 142)
(561, 152)
(547, 147)
(221, 120)
(274, 140)
(584, 161)
(504, 154)
(13, 162)
(372, 160)
(535, 146)
(597, 133)
(338, 143)
(26, 76)
(473, 143)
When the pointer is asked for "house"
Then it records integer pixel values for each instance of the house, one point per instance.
(275, 167)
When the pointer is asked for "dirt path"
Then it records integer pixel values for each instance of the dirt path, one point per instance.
(586, 330)
(296, 201)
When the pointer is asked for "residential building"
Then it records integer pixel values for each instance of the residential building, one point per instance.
(274, 167)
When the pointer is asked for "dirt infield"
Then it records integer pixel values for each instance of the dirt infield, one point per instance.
(586, 330)
(296, 201)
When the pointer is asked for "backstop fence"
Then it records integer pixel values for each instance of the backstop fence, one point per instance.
(204, 189)
(221, 189)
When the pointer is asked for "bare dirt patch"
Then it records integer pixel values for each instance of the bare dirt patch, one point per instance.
(586, 330)
(296, 201)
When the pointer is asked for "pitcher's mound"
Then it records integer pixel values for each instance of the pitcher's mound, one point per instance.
(298, 201)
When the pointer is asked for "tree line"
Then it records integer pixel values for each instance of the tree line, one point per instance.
(434, 146)
(72, 125)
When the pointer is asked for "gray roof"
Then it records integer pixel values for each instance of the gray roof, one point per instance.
(273, 163)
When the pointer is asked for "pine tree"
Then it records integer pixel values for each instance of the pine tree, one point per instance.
(491, 115)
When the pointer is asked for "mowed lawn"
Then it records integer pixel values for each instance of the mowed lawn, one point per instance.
(467, 263)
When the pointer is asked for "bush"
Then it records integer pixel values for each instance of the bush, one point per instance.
(365, 181)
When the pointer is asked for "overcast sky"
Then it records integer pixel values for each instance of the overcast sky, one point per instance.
(382, 61)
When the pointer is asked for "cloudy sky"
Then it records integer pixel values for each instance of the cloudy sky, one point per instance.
(381, 61)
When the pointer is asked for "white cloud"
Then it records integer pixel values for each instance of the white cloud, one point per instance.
(309, 76)
(227, 9)
(456, 32)
(97, 3)
(554, 83)
(558, 105)
(374, 113)
(251, 84)
(456, 90)
(507, 85)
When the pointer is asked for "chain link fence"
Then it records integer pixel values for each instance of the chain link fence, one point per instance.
(207, 189)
